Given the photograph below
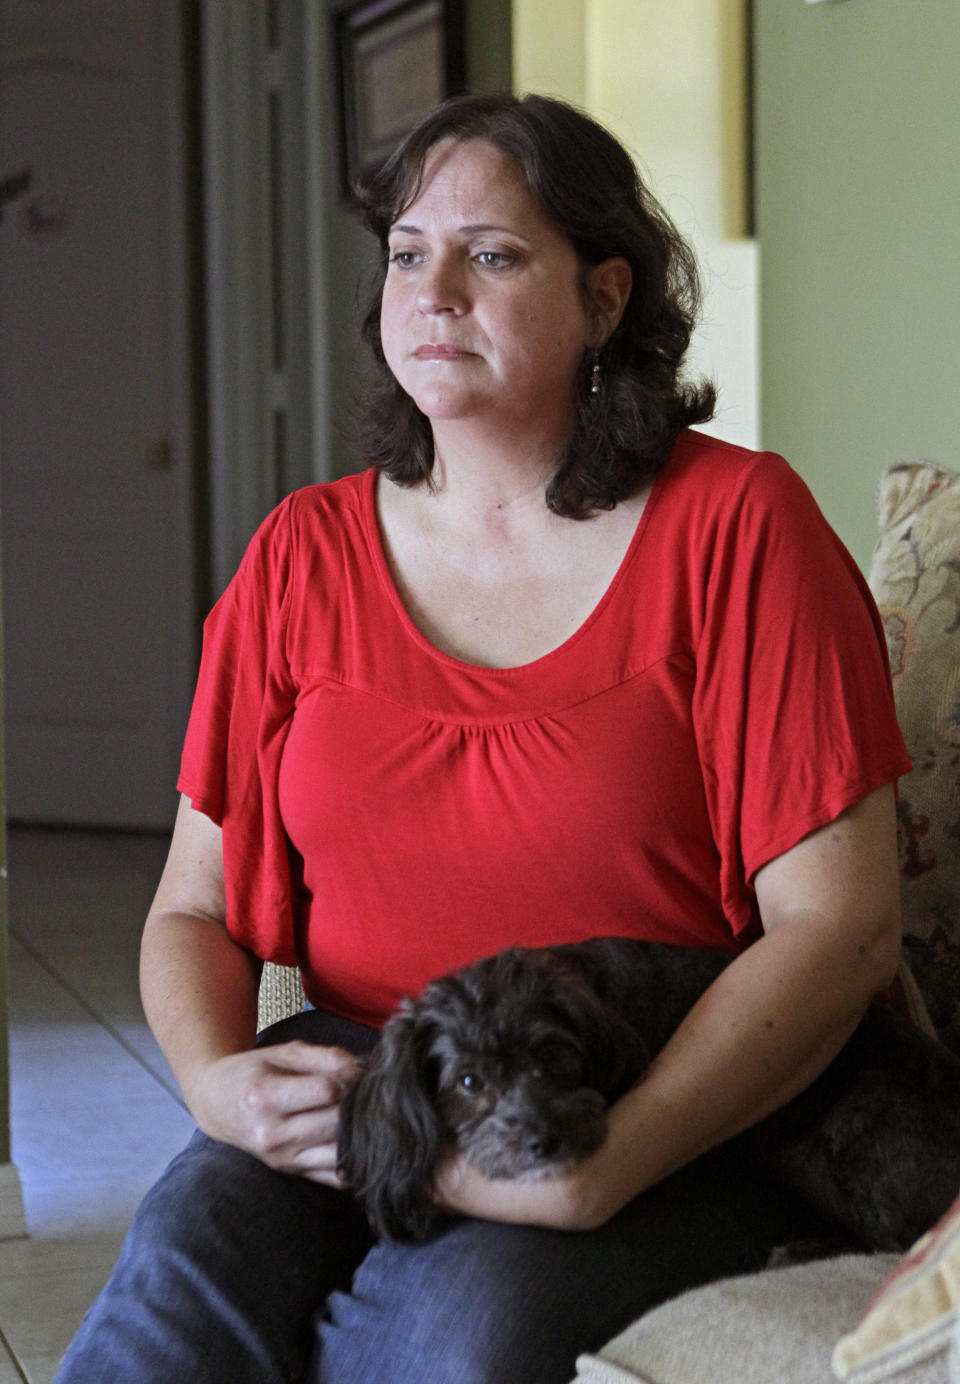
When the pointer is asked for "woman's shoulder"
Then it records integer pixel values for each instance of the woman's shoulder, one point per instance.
(329, 501)
(306, 515)
(735, 509)
(309, 531)
(719, 479)
(715, 498)
(700, 459)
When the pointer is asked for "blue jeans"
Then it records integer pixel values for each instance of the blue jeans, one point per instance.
(235, 1274)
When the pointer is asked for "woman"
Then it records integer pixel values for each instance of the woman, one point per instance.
(557, 667)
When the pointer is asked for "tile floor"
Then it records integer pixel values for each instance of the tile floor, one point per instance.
(95, 1110)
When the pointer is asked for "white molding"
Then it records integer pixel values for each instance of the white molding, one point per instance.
(13, 1221)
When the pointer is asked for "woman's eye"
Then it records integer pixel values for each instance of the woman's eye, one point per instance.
(404, 259)
(470, 1082)
(494, 259)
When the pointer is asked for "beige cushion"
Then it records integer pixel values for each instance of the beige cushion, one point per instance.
(915, 577)
(775, 1327)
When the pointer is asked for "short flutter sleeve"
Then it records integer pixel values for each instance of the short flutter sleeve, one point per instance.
(793, 707)
(235, 736)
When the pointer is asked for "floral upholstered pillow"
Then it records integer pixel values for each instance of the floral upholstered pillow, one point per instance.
(915, 577)
(912, 1320)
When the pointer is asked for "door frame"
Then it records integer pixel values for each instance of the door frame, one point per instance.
(265, 167)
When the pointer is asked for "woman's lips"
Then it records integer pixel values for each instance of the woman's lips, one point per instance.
(438, 351)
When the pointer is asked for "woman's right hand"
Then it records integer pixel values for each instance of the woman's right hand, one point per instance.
(199, 990)
(279, 1103)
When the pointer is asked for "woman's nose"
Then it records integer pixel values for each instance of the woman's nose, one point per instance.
(442, 287)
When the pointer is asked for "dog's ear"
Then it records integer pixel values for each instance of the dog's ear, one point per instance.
(616, 1051)
(389, 1137)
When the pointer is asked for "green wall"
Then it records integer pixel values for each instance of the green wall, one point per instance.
(858, 216)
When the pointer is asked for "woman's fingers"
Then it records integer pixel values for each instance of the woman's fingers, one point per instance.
(297, 1077)
(280, 1104)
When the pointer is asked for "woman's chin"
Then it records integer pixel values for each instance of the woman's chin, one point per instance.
(450, 406)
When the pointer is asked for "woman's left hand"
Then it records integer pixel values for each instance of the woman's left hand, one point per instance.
(579, 1198)
(460, 1189)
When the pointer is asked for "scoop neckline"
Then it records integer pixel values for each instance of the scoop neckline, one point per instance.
(371, 523)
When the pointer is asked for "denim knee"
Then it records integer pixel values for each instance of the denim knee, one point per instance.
(219, 1277)
(482, 1303)
(478, 1304)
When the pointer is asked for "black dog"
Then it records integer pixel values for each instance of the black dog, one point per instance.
(514, 1060)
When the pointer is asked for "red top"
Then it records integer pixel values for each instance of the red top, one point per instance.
(728, 695)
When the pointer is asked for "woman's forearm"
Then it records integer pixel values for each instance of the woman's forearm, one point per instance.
(199, 988)
(278, 1102)
(767, 1026)
(199, 992)
(779, 1014)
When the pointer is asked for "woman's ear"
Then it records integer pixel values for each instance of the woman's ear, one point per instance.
(608, 286)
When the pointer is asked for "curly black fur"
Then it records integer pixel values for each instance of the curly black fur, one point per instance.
(514, 1060)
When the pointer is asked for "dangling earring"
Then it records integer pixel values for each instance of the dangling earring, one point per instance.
(595, 374)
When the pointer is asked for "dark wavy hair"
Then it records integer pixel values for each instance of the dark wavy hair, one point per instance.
(588, 185)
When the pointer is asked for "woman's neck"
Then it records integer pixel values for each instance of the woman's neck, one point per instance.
(476, 472)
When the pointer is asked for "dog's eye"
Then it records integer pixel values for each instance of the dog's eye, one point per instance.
(470, 1082)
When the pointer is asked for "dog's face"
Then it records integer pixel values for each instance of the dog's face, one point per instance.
(517, 1094)
(511, 1062)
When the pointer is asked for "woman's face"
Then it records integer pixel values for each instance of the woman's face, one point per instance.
(484, 313)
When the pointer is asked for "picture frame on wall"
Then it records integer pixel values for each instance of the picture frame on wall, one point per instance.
(395, 60)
